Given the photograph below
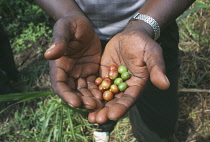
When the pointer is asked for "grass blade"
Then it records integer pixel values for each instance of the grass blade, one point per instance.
(60, 134)
(81, 137)
(26, 96)
(55, 127)
(83, 112)
(48, 116)
(22, 97)
(71, 124)
(199, 6)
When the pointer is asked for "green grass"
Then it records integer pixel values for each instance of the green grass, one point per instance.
(49, 120)
(30, 35)
(194, 118)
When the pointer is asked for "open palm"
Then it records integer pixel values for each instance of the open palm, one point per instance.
(143, 58)
(75, 55)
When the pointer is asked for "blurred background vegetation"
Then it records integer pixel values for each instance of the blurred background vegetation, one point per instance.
(47, 119)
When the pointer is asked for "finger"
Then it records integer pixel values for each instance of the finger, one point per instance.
(89, 102)
(112, 102)
(82, 87)
(96, 93)
(103, 71)
(61, 36)
(60, 84)
(102, 116)
(156, 67)
(92, 117)
(94, 88)
(55, 51)
(70, 97)
(124, 103)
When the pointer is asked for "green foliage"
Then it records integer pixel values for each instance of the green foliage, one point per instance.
(195, 37)
(21, 11)
(25, 23)
(30, 35)
(52, 120)
(200, 5)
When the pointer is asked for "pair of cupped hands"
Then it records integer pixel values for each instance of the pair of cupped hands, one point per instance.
(76, 59)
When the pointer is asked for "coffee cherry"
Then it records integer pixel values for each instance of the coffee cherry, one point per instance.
(106, 83)
(122, 69)
(117, 81)
(108, 95)
(100, 88)
(98, 81)
(113, 74)
(113, 67)
(125, 75)
(122, 86)
(114, 89)
(107, 79)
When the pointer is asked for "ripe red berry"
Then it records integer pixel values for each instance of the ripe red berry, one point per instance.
(106, 83)
(108, 95)
(113, 74)
(113, 67)
(100, 88)
(98, 81)
(114, 89)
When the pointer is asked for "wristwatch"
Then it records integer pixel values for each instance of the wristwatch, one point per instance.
(149, 20)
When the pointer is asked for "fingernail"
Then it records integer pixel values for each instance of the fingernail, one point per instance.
(70, 105)
(50, 48)
(167, 80)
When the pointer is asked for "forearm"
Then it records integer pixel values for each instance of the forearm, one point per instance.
(59, 8)
(163, 11)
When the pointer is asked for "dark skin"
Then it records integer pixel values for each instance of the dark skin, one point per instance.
(75, 56)
(76, 62)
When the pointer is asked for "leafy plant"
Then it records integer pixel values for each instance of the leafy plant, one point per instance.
(30, 35)
(51, 121)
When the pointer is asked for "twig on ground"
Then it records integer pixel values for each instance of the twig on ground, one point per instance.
(194, 90)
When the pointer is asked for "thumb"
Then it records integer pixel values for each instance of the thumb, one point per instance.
(55, 51)
(156, 67)
(61, 36)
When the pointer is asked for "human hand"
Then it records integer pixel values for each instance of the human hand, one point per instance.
(75, 54)
(143, 58)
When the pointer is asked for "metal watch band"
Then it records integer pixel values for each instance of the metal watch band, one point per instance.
(150, 21)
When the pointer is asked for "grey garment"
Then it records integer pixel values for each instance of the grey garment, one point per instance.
(109, 17)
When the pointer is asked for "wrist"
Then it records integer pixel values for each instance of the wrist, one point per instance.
(150, 21)
(139, 25)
